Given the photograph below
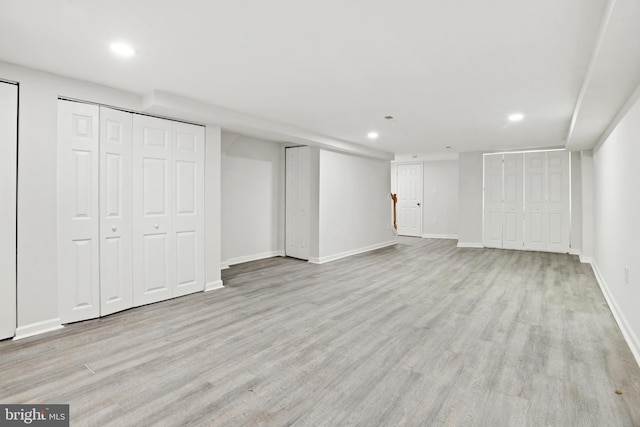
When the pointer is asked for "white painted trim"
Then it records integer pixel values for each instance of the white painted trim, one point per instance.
(224, 265)
(38, 328)
(585, 259)
(211, 286)
(575, 252)
(254, 257)
(630, 337)
(341, 255)
(592, 63)
(440, 236)
(470, 245)
(179, 107)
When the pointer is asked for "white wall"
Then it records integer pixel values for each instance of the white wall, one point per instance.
(252, 198)
(617, 223)
(354, 199)
(37, 287)
(587, 197)
(470, 166)
(440, 202)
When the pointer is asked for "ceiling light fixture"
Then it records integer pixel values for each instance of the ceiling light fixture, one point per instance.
(516, 117)
(122, 49)
(372, 135)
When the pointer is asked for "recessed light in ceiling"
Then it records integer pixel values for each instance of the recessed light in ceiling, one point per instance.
(372, 135)
(388, 117)
(516, 117)
(448, 147)
(122, 49)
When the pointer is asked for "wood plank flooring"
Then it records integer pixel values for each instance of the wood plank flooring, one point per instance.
(418, 334)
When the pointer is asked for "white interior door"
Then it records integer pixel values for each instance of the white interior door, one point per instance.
(298, 199)
(8, 173)
(78, 211)
(535, 210)
(153, 251)
(116, 287)
(513, 214)
(492, 229)
(188, 218)
(409, 206)
(558, 194)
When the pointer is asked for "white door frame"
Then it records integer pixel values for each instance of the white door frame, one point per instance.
(8, 177)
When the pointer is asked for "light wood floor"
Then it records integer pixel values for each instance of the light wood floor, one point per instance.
(419, 334)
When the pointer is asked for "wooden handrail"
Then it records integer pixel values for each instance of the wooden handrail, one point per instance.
(394, 197)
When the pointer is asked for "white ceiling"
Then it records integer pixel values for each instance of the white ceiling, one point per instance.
(450, 72)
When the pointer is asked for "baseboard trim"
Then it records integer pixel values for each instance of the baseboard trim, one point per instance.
(38, 328)
(585, 259)
(345, 254)
(628, 334)
(247, 258)
(224, 265)
(574, 252)
(211, 286)
(470, 245)
(440, 236)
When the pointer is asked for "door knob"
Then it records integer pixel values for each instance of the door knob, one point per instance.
(156, 226)
(418, 204)
(114, 228)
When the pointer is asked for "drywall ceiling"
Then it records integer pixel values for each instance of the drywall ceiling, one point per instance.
(449, 72)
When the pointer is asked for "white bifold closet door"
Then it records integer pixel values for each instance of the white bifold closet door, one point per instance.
(513, 205)
(168, 209)
(8, 174)
(130, 211)
(547, 214)
(116, 291)
(526, 201)
(78, 211)
(298, 199)
(493, 196)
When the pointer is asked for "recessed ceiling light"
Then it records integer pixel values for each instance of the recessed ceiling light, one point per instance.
(448, 147)
(516, 117)
(122, 49)
(388, 117)
(372, 135)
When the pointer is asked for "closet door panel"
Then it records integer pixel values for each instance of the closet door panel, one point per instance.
(8, 176)
(493, 201)
(188, 216)
(536, 220)
(558, 201)
(513, 201)
(78, 211)
(152, 202)
(116, 286)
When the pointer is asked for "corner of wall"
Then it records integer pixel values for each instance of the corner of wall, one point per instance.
(630, 337)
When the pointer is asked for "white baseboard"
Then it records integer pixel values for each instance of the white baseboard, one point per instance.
(440, 236)
(470, 245)
(224, 265)
(628, 334)
(340, 255)
(575, 252)
(586, 259)
(38, 328)
(213, 285)
(247, 258)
